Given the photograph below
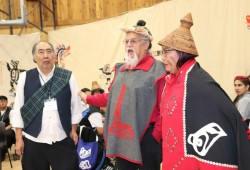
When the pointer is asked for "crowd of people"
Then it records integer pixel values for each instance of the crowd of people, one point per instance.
(170, 112)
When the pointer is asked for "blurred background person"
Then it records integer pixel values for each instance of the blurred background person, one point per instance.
(85, 107)
(4, 117)
(92, 116)
(242, 100)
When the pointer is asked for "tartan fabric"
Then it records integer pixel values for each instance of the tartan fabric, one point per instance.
(36, 102)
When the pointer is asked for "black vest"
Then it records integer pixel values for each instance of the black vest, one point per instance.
(32, 84)
(5, 117)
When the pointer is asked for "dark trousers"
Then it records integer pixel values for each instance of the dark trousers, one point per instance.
(151, 154)
(10, 139)
(59, 156)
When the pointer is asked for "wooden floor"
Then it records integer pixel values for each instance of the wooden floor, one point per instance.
(16, 164)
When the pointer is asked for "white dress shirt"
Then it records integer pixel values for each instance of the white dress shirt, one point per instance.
(2, 112)
(51, 130)
(95, 120)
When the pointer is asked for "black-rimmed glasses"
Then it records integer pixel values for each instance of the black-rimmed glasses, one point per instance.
(166, 51)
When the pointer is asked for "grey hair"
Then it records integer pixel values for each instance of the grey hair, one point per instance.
(145, 39)
(34, 48)
(35, 45)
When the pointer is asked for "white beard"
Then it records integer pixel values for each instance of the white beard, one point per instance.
(131, 61)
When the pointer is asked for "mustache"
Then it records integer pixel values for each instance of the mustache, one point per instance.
(130, 50)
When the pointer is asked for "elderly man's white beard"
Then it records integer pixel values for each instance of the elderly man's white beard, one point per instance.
(131, 61)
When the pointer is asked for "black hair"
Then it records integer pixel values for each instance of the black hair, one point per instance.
(235, 101)
(3, 98)
(85, 90)
(183, 58)
(97, 90)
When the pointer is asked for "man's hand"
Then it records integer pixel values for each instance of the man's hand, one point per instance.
(73, 134)
(19, 147)
(19, 142)
(83, 96)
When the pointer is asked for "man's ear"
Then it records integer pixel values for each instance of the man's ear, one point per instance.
(34, 59)
(147, 45)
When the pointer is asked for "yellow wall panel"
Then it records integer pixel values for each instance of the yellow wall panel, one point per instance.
(62, 10)
(68, 12)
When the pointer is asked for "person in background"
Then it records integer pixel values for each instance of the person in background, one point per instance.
(92, 115)
(86, 90)
(96, 89)
(132, 104)
(242, 86)
(92, 126)
(201, 128)
(4, 117)
(46, 111)
(85, 107)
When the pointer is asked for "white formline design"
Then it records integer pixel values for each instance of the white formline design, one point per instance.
(184, 129)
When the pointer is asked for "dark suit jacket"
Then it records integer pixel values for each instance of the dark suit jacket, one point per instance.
(6, 117)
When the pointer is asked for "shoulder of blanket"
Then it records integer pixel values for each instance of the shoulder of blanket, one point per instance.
(159, 64)
(118, 65)
(158, 69)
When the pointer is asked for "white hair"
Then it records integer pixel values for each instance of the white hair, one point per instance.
(131, 61)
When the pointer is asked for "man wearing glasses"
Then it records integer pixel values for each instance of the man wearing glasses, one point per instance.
(132, 104)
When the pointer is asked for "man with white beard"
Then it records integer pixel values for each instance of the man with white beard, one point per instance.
(131, 61)
(132, 104)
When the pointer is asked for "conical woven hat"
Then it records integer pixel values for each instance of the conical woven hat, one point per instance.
(181, 38)
(95, 85)
(96, 88)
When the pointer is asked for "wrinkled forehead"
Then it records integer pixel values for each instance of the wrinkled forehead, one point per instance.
(43, 46)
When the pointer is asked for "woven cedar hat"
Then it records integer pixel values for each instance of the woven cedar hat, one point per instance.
(96, 88)
(181, 38)
(139, 28)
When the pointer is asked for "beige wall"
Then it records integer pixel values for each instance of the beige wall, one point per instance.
(16, 48)
(219, 30)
